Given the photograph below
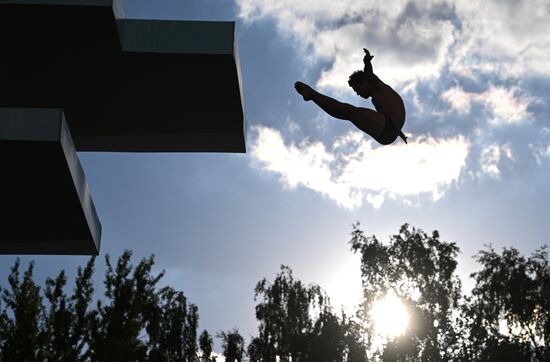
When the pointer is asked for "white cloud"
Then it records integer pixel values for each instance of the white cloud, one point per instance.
(307, 164)
(541, 153)
(491, 157)
(409, 39)
(505, 105)
(417, 38)
(509, 38)
(416, 44)
(353, 170)
(459, 100)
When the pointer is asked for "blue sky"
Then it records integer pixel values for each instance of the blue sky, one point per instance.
(474, 77)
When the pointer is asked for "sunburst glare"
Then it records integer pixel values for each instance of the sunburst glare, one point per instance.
(390, 316)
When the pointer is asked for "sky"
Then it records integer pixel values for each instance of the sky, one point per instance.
(474, 77)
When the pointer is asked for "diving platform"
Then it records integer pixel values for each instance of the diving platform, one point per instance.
(46, 204)
(118, 85)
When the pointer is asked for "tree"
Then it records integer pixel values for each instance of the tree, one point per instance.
(255, 350)
(297, 323)
(135, 321)
(206, 345)
(190, 333)
(506, 317)
(508, 314)
(66, 322)
(233, 345)
(81, 299)
(173, 328)
(3, 327)
(167, 340)
(131, 299)
(327, 339)
(355, 345)
(284, 316)
(22, 334)
(421, 270)
(58, 346)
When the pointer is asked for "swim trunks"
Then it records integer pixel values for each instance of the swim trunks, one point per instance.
(390, 133)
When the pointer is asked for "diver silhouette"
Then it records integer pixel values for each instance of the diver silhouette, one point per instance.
(384, 124)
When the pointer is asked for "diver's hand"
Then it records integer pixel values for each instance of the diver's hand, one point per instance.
(367, 57)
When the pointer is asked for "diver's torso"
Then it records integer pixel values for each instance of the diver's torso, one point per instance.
(389, 103)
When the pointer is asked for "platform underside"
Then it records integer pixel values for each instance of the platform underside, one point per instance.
(46, 205)
(124, 84)
(75, 75)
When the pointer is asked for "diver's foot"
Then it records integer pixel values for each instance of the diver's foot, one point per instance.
(305, 90)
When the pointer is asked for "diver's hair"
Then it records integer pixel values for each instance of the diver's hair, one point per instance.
(360, 76)
(357, 78)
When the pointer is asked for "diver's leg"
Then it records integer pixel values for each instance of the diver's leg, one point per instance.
(330, 105)
(369, 121)
(335, 108)
(365, 119)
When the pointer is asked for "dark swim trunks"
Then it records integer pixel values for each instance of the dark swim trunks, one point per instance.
(390, 133)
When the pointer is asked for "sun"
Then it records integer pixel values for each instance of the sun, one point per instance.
(390, 316)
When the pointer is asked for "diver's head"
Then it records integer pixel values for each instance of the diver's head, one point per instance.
(360, 83)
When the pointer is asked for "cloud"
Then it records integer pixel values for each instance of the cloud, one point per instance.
(409, 39)
(459, 100)
(466, 70)
(505, 105)
(307, 164)
(507, 38)
(414, 39)
(353, 171)
(491, 158)
(540, 153)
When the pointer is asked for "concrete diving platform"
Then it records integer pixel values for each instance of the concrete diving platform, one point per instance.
(76, 75)
(125, 85)
(46, 204)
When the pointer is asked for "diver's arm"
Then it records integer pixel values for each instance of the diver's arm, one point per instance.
(367, 62)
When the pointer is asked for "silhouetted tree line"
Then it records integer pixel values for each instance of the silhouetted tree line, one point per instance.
(136, 321)
(506, 317)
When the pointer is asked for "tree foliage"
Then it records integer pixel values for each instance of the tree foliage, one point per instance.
(65, 327)
(284, 315)
(297, 324)
(206, 345)
(22, 334)
(508, 314)
(131, 299)
(421, 270)
(232, 345)
(134, 321)
(506, 317)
